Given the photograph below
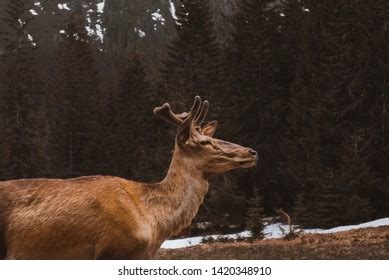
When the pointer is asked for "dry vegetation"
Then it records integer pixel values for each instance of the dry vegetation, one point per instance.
(371, 243)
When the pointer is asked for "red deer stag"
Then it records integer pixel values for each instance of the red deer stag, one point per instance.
(103, 217)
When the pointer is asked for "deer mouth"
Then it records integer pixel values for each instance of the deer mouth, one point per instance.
(247, 163)
(242, 162)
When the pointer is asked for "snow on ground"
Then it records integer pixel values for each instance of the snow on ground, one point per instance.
(275, 230)
(376, 223)
(271, 231)
(187, 242)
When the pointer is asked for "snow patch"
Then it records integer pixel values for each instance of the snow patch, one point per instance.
(172, 10)
(96, 29)
(63, 6)
(89, 30)
(187, 242)
(140, 32)
(31, 39)
(271, 231)
(376, 223)
(33, 12)
(99, 32)
(275, 230)
(157, 16)
(100, 7)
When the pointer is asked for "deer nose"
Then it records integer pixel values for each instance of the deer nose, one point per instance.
(253, 153)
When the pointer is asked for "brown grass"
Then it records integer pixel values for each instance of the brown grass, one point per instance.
(370, 243)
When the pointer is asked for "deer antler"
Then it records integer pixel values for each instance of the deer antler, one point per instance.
(197, 113)
(200, 117)
(165, 113)
(187, 122)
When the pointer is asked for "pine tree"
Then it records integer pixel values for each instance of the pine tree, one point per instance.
(192, 66)
(360, 44)
(356, 175)
(23, 120)
(302, 146)
(225, 204)
(335, 200)
(260, 70)
(255, 215)
(134, 121)
(373, 81)
(327, 108)
(77, 125)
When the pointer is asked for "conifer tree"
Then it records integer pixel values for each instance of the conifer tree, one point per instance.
(327, 106)
(373, 41)
(24, 127)
(306, 145)
(135, 132)
(260, 67)
(335, 200)
(192, 66)
(225, 203)
(255, 215)
(77, 126)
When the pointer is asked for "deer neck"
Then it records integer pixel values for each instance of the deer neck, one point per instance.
(177, 198)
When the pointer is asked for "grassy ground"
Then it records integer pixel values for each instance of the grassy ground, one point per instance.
(371, 243)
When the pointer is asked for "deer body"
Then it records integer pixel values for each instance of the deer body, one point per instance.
(98, 216)
(72, 219)
(103, 217)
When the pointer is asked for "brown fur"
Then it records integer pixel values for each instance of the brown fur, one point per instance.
(103, 217)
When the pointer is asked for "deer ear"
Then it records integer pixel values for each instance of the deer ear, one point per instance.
(209, 129)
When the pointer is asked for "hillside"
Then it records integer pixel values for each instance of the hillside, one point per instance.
(370, 243)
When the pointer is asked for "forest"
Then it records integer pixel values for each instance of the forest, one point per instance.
(303, 82)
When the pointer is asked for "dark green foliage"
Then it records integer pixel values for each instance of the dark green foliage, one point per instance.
(225, 203)
(332, 202)
(135, 134)
(23, 127)
(260, 66)
(192, 66)
(329, 106)
(76, 124)
(255, 215)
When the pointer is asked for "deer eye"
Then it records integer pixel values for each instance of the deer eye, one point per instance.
(204, 142)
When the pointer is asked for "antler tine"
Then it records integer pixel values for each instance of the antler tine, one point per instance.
(192, 114)
(196, 108)
(166, 113)
(203, 113)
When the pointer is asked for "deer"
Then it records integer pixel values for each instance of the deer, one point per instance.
(107, 217)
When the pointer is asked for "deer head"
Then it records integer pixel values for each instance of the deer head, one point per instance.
(196, 143)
